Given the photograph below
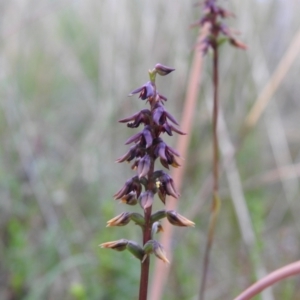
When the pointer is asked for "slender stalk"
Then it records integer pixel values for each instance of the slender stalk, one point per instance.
(145, 266)
(214, 16)
(215, 199)
(215, 122)
(144, 278)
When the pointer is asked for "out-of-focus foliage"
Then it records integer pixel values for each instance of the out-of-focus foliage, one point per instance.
(66, 68)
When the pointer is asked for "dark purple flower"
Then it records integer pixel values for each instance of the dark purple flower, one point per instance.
(163, 70)
(144, 166)
(169, 128)
(130, 155)
(166, 154)
(146, 91)
(131, 185)
(160, 115)
(138, 118)
(146, 199)
(165, 185)
(144, 137)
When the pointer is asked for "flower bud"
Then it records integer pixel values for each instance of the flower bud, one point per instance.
(163, 70)
(135, 249)
(156, 248)
(119, 245)
(129, 199)
(120, 220)
(146, 199)
(160, 253)
(144, 166)
(137, 218)
(160, 214)
(178, 220)
(156, 228)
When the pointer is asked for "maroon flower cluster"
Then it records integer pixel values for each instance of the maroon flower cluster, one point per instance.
(218, 31)
(148, 146)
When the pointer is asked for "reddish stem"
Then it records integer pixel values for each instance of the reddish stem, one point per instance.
(144, 278)
(270, 279)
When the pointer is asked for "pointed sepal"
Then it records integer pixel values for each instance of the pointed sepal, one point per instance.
(119, 245)
(163, 70)
(157, 249)
(156, 228)
(120, 220)
(178, 220)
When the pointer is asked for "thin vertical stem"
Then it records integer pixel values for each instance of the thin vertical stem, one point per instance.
(215, 199)
(215, 121)
(144, 278)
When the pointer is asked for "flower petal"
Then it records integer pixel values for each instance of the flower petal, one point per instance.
(163, 70)
(134, 138)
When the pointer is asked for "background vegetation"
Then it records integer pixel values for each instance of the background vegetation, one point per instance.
(66, 68)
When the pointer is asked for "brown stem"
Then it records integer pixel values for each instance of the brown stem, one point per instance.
(215, 199)
(145, 265)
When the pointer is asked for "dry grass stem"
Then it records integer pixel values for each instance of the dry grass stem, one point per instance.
(274, 82)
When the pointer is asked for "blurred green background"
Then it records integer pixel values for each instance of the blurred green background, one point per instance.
(66, 68)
